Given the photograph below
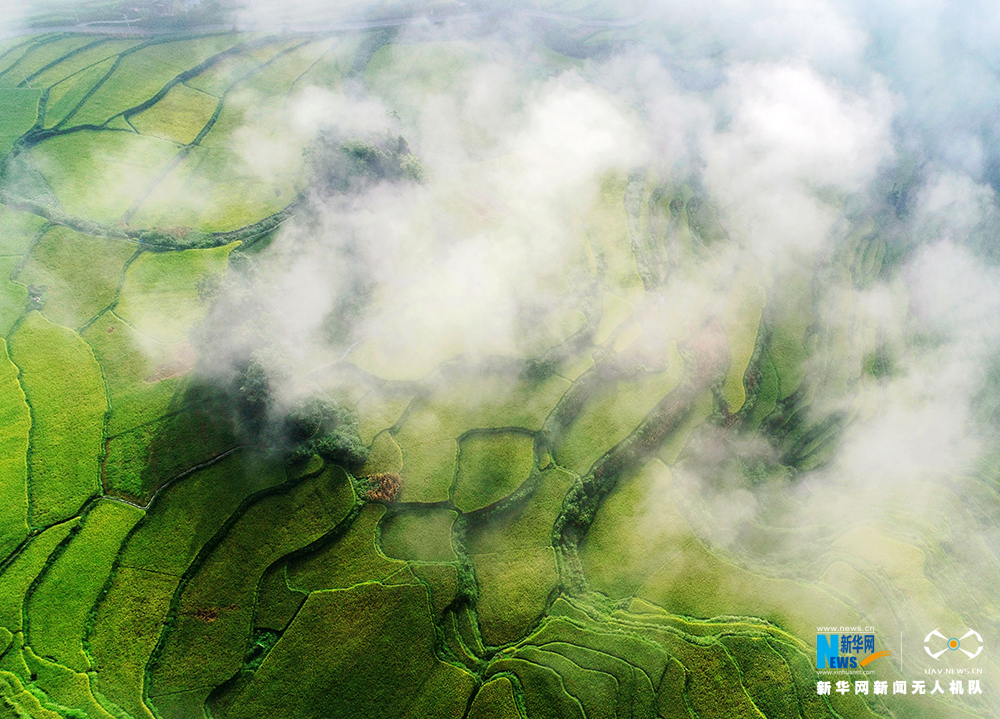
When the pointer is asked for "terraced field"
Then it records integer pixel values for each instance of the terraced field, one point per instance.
(548, 553)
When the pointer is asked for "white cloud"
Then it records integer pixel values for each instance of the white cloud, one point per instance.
(792, 136)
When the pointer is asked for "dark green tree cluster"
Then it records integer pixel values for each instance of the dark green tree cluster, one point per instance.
(239, 330)
(347, 165)
(246, 371)
(342, 167)
(176, 238)
(317, 425)
(327, 428)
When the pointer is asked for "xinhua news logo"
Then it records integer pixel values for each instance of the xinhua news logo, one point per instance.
(846, 650)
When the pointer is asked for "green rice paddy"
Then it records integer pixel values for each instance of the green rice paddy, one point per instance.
(543, 556)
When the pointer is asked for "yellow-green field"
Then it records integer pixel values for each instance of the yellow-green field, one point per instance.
(244, 474)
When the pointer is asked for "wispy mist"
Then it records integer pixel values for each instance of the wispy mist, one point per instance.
(816, 136)
(797, 122)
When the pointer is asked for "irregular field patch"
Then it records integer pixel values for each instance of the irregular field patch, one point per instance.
(214, 190)
(160, 295)
(22, 571)
(352, 559)
(18, 231)
(142, 73)
(527, 525)
(126, 625)
(141, 460)
(125, 162)
(423, 535)
(179, 115)
(145, 377)
(495, 700)
(39, 54)
(80, 273)
(78, 62)
(514, 589)
(57, 608)
(491, 466)
(323, 666)
(20, 110)
(611, 413)
(214, 614)
(64, 388)
(65, 95)
(201, 502)
(428, 471)
(13, 295)
(15, 418)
